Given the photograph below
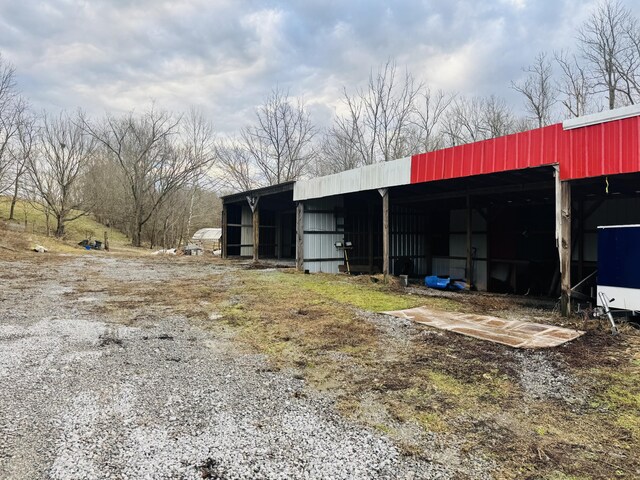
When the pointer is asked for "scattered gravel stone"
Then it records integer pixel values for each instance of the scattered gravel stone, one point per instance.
(84, 399)
(543, 379)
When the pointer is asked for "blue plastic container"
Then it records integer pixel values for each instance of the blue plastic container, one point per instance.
(434, 281)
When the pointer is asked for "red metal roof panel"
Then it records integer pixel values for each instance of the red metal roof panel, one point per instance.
(600, 149)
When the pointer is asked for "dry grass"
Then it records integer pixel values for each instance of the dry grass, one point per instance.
(435, 393)
(465, 391)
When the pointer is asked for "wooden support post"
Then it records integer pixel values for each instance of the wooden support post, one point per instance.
(256, 234)
(225, 233)
(255, 225)
(384, 192)
(300, 236)
(563, 240)
(469, 262)
(370, 237)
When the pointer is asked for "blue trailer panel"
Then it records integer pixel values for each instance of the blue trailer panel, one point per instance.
(619, 266)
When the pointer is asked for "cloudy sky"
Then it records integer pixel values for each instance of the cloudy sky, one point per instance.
(226, 55)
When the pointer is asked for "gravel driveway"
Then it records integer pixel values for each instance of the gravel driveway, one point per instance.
(82, 397)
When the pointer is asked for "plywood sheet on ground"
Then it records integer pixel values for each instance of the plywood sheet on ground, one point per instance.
(507, 332)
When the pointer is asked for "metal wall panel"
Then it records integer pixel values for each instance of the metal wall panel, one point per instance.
(407, 239)
(246, 232)
(321, 232)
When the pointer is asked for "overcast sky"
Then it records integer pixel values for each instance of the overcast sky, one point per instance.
(226, 55)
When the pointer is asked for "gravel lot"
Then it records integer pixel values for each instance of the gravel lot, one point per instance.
(83, 397)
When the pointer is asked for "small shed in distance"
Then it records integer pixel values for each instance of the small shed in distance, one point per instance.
(208, 238)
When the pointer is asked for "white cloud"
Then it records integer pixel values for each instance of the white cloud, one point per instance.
(226, 55)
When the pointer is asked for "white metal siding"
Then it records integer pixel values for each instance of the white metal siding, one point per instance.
(370, 177)
(319, 216)
(246, 233)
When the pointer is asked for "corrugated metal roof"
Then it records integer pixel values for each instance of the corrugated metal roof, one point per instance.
(602, 117)
(609, 147)
(207, 234)
(606, 143)
(370, 177)
(533, 148)
(604, 149)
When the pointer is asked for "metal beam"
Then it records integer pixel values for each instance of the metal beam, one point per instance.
(524, 187)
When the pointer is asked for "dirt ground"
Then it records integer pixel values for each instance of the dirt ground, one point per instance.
(198, 368)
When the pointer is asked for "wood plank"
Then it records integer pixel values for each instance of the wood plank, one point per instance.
(385, 230)
(564, 247)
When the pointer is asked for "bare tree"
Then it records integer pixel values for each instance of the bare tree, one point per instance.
(337, 151)
(280, 144)
(236, 165)
(498, 117)
(153, 161)
(11, 110)
(429, 110)
(56, 171)
(379, 119)
(473, 119)
(465, 122)
(604, 43)
(21, 151)
(629, 66)
(574, 86)
(538, 90)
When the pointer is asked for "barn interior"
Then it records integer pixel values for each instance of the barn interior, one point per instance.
(273, 210)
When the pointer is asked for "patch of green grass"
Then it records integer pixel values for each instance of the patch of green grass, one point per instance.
(372, 297)
(446, 384)
(563, 476)
(541, 430)
(631, 423)
(623, 395)
(432, 422)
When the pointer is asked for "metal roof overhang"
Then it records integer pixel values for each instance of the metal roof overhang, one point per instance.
(258, 192)
(369, 177)
(606, 143)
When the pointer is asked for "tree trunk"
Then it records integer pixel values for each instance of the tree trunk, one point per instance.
(137, 242)
(59, 226)
(14, 199)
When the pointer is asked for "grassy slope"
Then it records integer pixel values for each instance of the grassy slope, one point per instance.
(76, 230)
